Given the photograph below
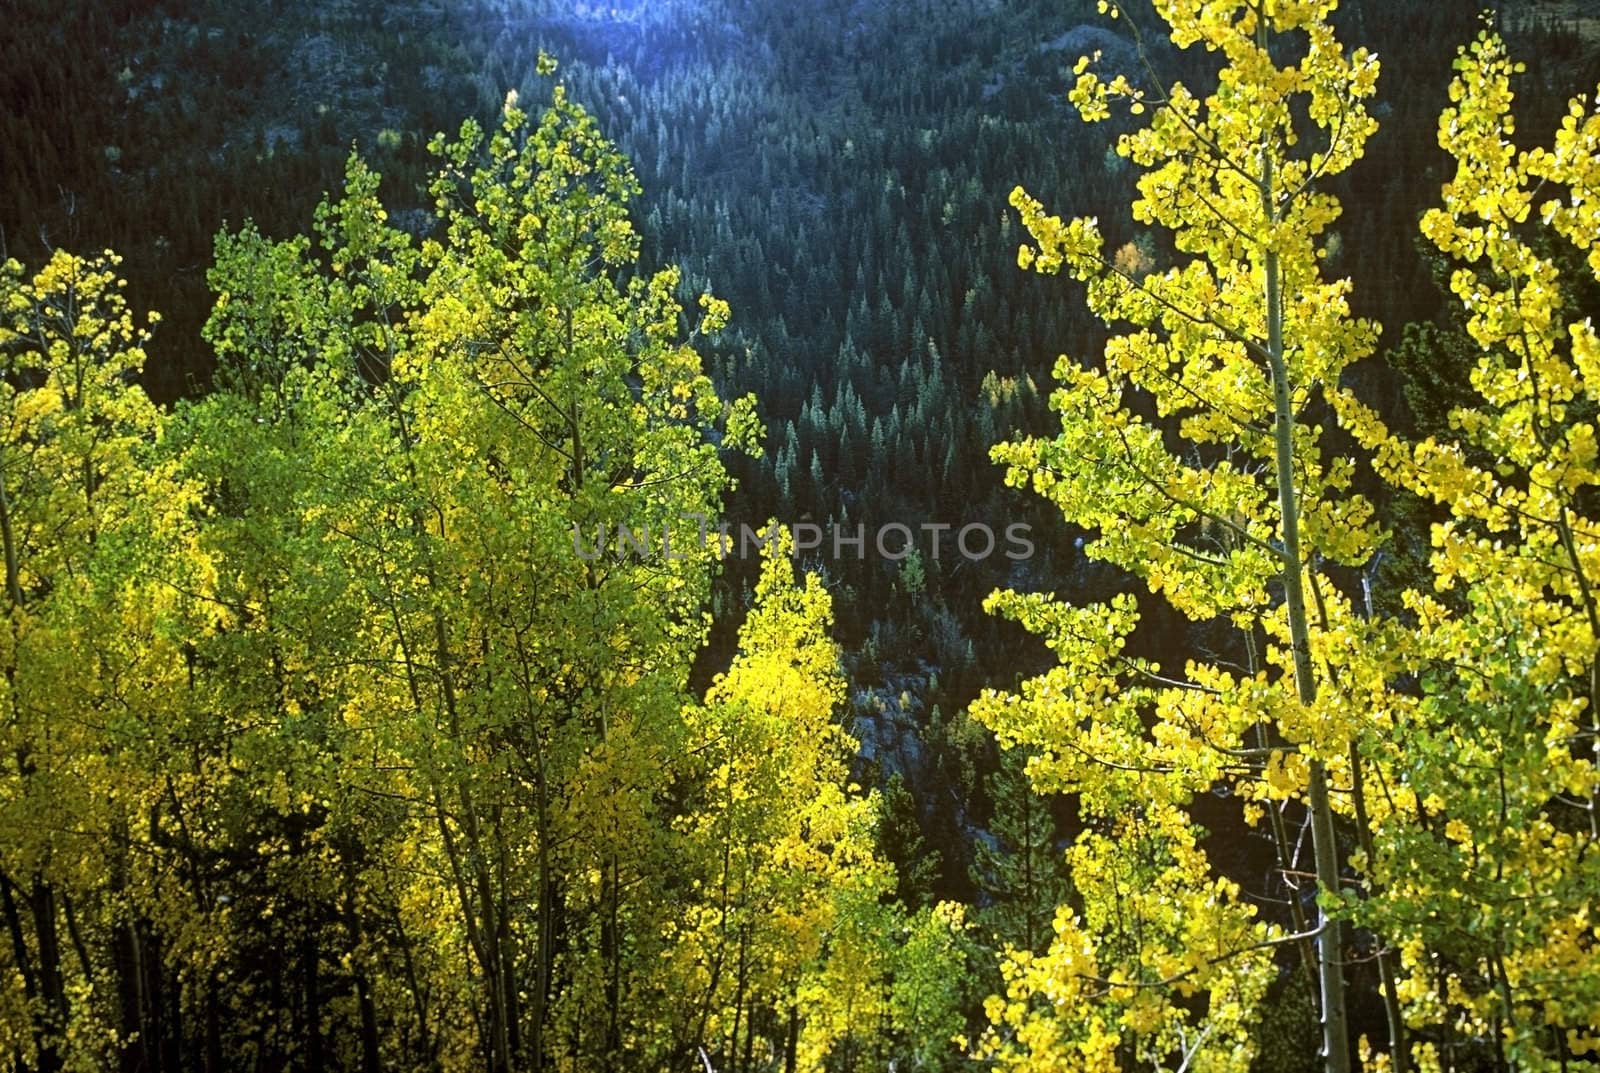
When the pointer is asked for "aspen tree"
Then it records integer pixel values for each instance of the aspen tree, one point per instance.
(1230, 506)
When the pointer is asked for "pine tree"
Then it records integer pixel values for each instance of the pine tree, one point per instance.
(1022, 872)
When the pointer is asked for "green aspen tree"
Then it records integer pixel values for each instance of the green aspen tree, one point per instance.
(466, 405)
(1488, 811)
(93, 522)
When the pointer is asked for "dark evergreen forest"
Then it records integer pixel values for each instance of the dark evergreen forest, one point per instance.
(838, 171)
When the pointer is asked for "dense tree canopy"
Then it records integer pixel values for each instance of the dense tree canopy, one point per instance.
(378, 695)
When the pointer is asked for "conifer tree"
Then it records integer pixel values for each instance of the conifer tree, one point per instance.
(1023, 874)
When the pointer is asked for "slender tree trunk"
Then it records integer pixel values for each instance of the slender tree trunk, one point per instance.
(365, 1005)
(44, 978)
(709, 1003)
(19, 939)
(506, 941)
(1399, 1050)
(131, 1056)
(1330, 949)
(132, 1002)
(1280, 842)
(52, 984)
(371, 1060)
(474, 884)
(213, 1026)
(546, 891)
(738, 997)
(611, 950)
(419, 1003)
(791, 1043)
(478, 911)
(545, 966)
(79, 947)
(491, 953)
(8, 544)
(311, 977)
(49, 1060)
(749, 1039)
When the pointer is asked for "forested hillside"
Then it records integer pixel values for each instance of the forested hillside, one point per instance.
(348, 345)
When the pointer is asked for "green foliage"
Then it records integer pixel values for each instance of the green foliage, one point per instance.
(95, 523)
(1023, 874)
(1207, 504)
(325, 748)
(1286, 1036)
(390, 775)
(901, 839)
(1451, 741)
(1497, 808)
